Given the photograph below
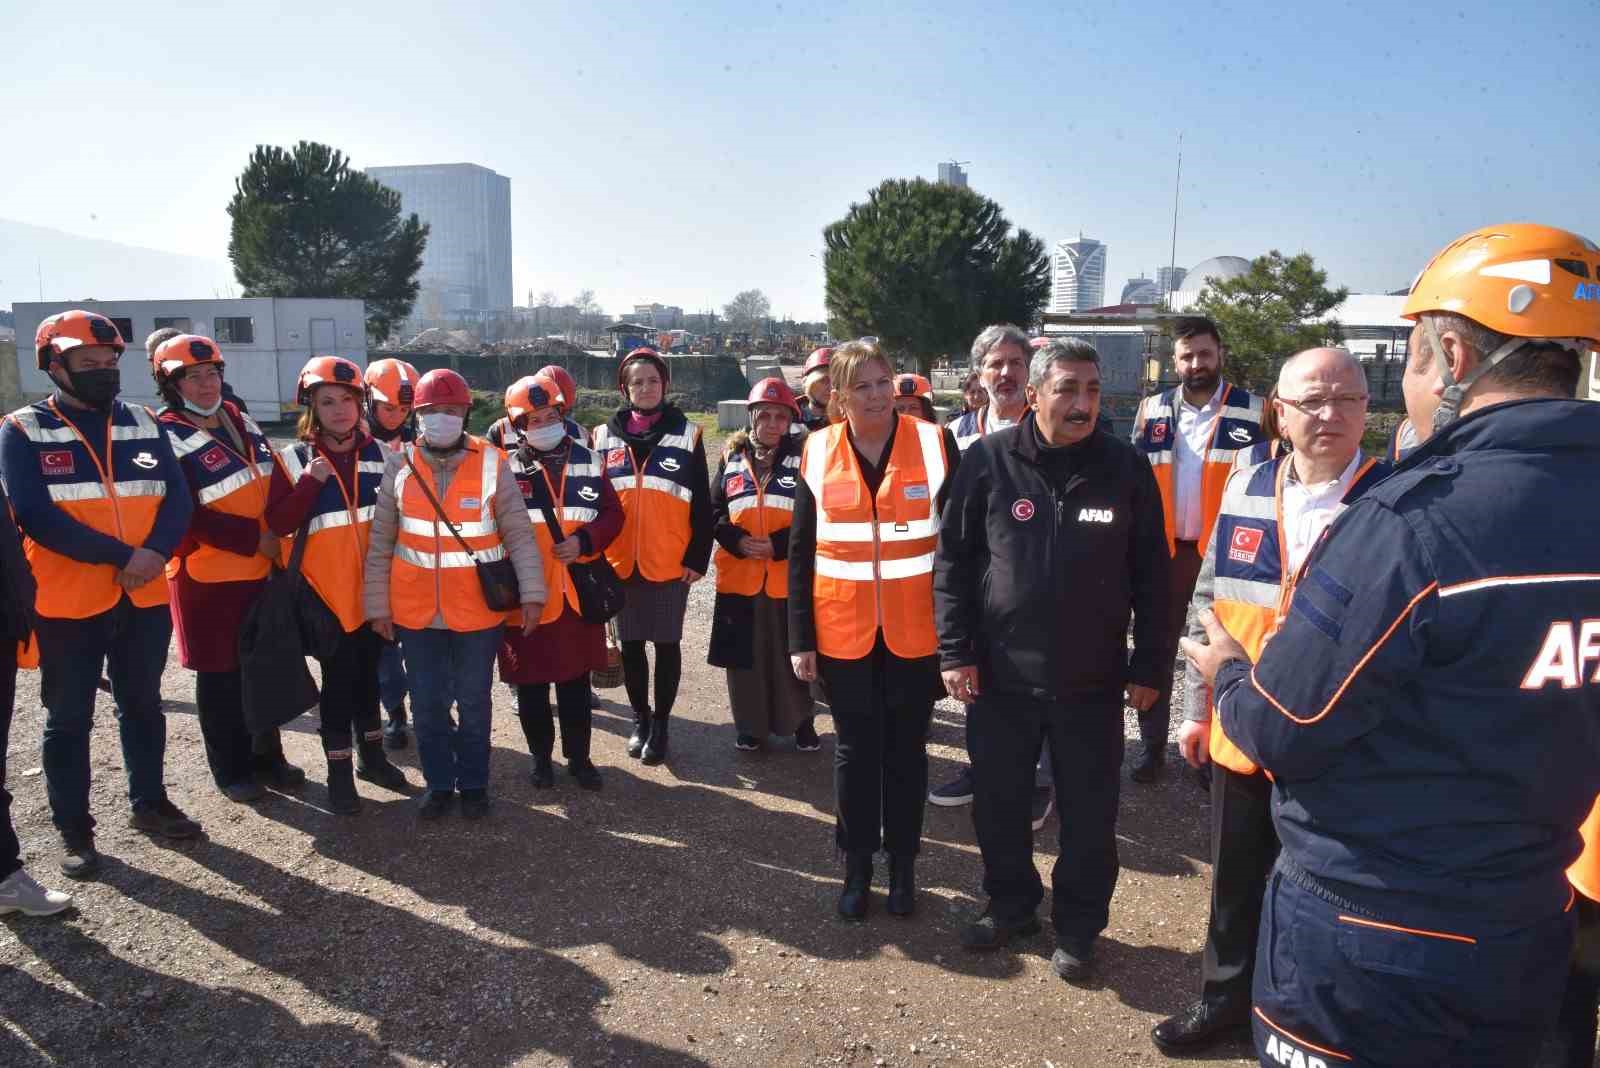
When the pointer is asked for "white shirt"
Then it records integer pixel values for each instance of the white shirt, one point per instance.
(1195, 426)
(993, 422)
(1310, 508)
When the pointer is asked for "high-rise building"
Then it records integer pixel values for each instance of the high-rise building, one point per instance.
(1078, 275)
(1140, 290)
(466, 266)
(1168, 279)
(950, 173)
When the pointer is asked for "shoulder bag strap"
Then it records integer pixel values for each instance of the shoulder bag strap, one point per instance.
(438, 508)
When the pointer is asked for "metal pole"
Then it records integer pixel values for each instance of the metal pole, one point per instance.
(1177, 185)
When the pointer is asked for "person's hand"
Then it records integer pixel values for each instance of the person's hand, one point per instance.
(805, 665)
(756, 548)
(268, 546)
(384, 628)
(1193, 739)
(1140, 697)
(961, 683)
(143, 565)
(319, 469)
(691, 576)
(1220, 647)
(567, 550)
(530, 617)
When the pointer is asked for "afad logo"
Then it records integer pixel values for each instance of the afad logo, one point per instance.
(1022, 510)
(1244, 544)
(1587, 291)
(1290, 1057)
(1240, 434)
(670, 463)
(589, 493)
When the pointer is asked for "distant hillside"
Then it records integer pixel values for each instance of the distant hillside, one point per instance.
(76, 267)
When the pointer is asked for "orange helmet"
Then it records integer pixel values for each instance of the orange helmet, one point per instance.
(1532, 283)
(913, 386)
(70, 329)
(774, 391)
(817, 361)
(443, 386)
(326, 371)
(392, 382)
(530, 393)
(1038, 343)
(564, 381)
(185, 350)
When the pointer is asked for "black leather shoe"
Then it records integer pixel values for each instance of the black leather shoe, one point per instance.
(902, 886)
(437, 804)
(585, 774)
(655, 750)
(640, 735)
(1147, 769)
(1073, 961)
(990, 932)
(372, 765)
(1201, 1026)
(544, 775)
(857, 886)
(78, 857)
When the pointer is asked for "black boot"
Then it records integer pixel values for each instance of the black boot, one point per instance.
(902, 885)
(342, 796)
(857, 886)
(641, 733)
(394, 729)
(373, 766)
(655, 750)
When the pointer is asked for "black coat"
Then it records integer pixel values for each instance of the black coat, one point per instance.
(16, 580)
(1042, 558)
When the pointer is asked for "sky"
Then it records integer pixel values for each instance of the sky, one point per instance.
(682, 152)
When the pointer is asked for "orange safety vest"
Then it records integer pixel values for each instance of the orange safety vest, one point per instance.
(759, 509)
(227, 482)
(655, 500)
(1584, 875)
(337, 529)
(874, 566)
(1253, 582)
(432, 575)
(1237, 426)
(579, 497)
(114, 495)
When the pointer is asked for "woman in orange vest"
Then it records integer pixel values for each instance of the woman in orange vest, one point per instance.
(222, 564)
(324, 489)
(866, 520)
(656, 462)
(448, 504)
(753, 500)
(560, 479)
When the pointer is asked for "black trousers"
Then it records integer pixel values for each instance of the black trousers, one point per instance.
(10, 848)
(1085, 736)
(882, 705)
(1244, 847)
(349, 705)
(538, 722)
(1157, 719)
(219, 701)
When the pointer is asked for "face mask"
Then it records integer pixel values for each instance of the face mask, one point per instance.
(204, 413)
(545, 438)
(440, 429)
(97, 388)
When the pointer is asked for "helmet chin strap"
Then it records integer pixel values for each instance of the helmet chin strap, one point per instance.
(1455, 393)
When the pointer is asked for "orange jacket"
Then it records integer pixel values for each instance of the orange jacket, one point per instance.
(1237, 426)
(874, 568)
(113, 494)
(227, 482)
(655, 500)
(759, 509)
(432, 574)
(336, 531)
(579, 493)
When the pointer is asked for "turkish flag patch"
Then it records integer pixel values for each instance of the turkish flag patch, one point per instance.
(1158, 433)
(617, 458)
(57, 462)
(735, 485)
(214, 458)
(1244, 543)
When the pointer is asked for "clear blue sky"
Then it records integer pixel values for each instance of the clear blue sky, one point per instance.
(681, 152)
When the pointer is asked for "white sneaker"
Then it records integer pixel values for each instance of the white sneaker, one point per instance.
(21, 893)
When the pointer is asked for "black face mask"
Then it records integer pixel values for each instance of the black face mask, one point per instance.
(96, 387)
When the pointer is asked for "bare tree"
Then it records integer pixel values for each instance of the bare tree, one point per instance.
(747, 310)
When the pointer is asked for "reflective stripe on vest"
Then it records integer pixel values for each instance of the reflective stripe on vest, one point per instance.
(1237, 426)
(655, 500)
(760, 509)
(111, 494)
(578, 492)
(337, 530)
(874, 557)
(225, 482)
(433, 576)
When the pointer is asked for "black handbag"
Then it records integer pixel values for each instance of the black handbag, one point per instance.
(275, 684)
(498, 578)
(600, 593)
(321, 633)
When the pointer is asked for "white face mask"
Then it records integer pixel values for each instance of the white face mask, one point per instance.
(545, 438)
(440, 429)
(204, 413)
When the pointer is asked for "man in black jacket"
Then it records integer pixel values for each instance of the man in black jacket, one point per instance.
(1052, 536)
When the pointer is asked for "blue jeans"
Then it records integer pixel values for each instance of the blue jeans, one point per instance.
(132, 644)
(445, 667)
(391, 678)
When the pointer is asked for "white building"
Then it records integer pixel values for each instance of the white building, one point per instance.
(1195, 280)
(1078, 275)
(951, 174)
(265, 341)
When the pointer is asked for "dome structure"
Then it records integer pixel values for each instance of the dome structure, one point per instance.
(1217, 268)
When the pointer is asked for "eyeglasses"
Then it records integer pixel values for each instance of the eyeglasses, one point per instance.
(1342, 402)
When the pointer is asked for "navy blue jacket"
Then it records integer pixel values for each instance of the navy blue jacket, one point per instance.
(1430, 709)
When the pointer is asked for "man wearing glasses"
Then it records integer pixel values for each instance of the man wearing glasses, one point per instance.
(1270, 517)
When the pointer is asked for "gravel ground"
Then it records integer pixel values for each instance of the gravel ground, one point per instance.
(682, 916)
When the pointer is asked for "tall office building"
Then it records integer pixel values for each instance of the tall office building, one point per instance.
(1078, 275)
(466, 266)
(950, 173)
(1140, 290)
(1168, 279)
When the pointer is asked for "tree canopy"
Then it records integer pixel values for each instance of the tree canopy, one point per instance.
(1276, 309)
(925, 266)
(747, 310)
(305, 224)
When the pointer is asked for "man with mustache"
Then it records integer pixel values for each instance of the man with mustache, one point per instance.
(1045, 514)
(1191, 435)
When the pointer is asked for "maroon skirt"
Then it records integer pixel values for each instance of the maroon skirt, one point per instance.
(554, 652)
(206, 617)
